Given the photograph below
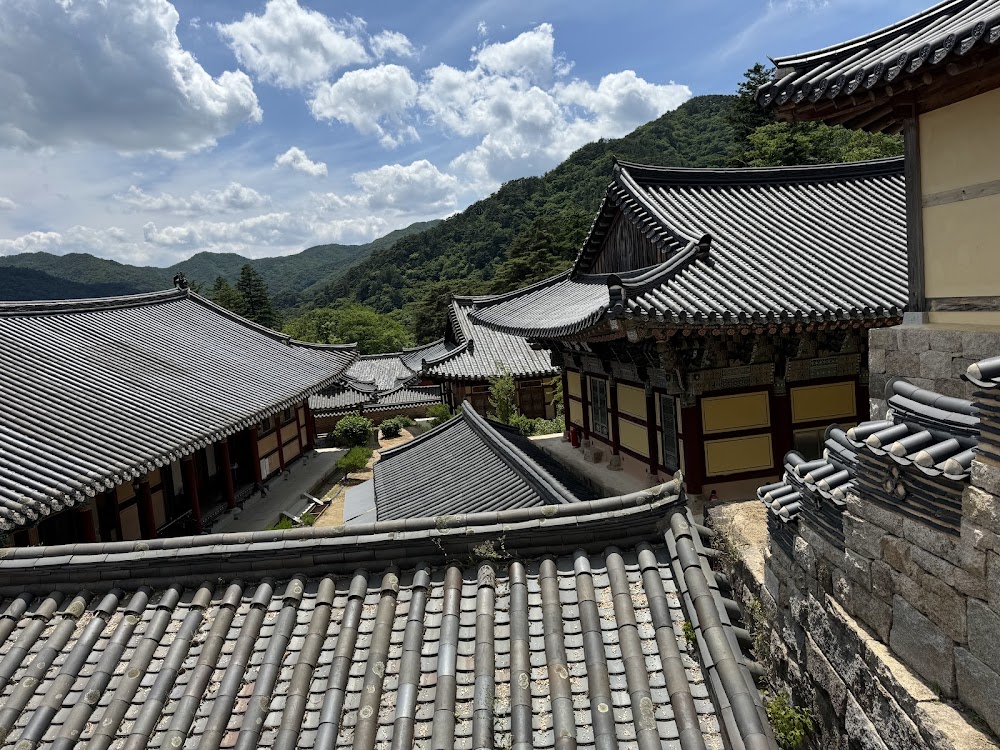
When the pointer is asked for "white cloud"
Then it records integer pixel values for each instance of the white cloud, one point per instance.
(482, 29)
(233, 197)
(531, 54)
(373, 100)
(6, 204)
(387, 43)
(111, 73)
(112, 242)
(292, 46)
(295, 158)
(416, 187)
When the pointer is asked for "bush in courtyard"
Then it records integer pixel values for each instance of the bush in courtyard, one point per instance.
(439, 414)
(353, 430)
(528, 426)
(356, 459)
(524, 425)
(405, 421)
(392, 428)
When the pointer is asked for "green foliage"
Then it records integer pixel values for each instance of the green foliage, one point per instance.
(761, 141)
(353, 430)
(349, 323)
(255, 299)
(307, 519)
(223, 294)
(689, 634)
(391, 428)
(356, 459)
(537, 426)
(405, 421)
(792, 725)
(439, 414)
(283, 525)
(503, 395)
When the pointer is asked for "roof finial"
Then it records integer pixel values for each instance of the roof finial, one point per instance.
(180, 280)
(704, 248)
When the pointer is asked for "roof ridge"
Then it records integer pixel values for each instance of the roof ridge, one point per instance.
(13, 308)
(798, 173)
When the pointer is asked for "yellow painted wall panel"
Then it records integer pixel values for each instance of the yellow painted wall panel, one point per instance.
(632, 401)
(743, 411)
(633, 437)
(958, 144)
(124, 492)
(267, 444)
(153, 477)
(965, 318)
(813, 403)
(573, 381)
(291, 450)
(288, 432)
(737, 455)
(576, 412)
(960, 238)
(130, 523)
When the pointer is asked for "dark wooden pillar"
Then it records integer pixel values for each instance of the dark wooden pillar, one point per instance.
(280, 441)
(585, 401)
(613, 427)
(565, 395)
(694, 449)
(651, 433)
(781, 426)
(310, 428)
(298, 431)
(227, 473)
(147, 518)
(255, 454)
(86, 523)
(191, 490)
(914, 213)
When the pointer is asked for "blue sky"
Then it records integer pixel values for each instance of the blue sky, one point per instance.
(145, 131)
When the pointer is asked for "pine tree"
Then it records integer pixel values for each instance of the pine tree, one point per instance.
(746, 114)
(223, 294)
(257, 305)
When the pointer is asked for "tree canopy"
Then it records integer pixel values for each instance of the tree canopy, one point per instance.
(348, 323)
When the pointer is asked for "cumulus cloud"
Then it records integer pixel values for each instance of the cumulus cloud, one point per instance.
(295, 158)
(373, 100)
(415, 187)
(387, 43)
(6, 204)
(233, 197)
(292, 46)
(112, 242)
(531, 54)
(112, 73)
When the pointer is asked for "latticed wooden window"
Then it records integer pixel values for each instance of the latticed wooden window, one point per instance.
(599, 406)
(668, 428)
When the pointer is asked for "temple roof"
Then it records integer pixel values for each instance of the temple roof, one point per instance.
(98, 392)
(521, 628)
(852, 83)
(783, 244)
(469, 464)
(476, 352)
(352, 398)
(385, 371)
(985, 373)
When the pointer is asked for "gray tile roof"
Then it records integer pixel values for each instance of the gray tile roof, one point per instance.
(476, 350)
(783, 244)
(413, 358)
(522, 629)
(385, 371)
(352, 397)
(985, 373)
(898, 56)
(99, 392)
(465, 465)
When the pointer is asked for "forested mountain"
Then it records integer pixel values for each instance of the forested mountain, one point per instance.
(47, 276)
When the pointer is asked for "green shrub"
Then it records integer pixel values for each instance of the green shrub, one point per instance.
(282, 525)
(391, 428)
(528, 426)
(353, 430)
(439, 414)
(689, 634)
(356, 459)
(792, 725)
(307, 519)
(405, 420)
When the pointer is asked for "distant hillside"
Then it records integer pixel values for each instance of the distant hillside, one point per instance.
(536, 223)
(77, 275)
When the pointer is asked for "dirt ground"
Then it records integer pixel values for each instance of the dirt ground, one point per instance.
(334, 493)
(745, 522)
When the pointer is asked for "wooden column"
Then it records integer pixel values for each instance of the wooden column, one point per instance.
(585, 403)
(914, 214)
(86, 523)
(694, 449)
(781, 426)
(255, 454)
(280, 441)
(616, 462)
(227, 473)
(191, 490)
(147, 518)
(310, 428)
(565, 392)
(651, 434)
(298, 431)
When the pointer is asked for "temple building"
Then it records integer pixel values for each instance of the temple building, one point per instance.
(716, 319)
(142, 416)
